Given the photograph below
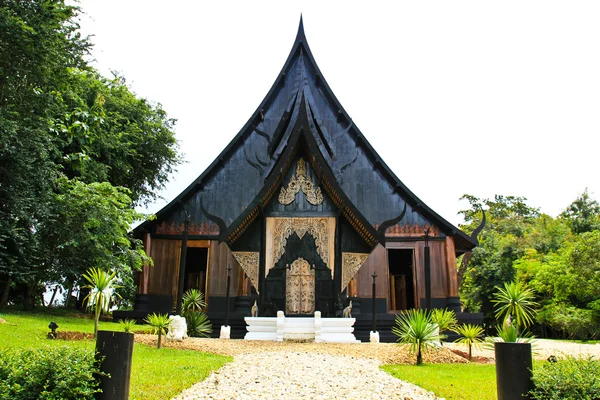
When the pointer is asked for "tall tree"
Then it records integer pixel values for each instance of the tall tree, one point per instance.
(583, 214)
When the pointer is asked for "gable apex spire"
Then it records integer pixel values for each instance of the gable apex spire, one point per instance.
(300, 35)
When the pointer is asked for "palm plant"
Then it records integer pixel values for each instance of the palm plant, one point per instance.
(159, 323)
(193, 301)
(198, 325)
(444, 319)
(127, 325)
(471, 336)
(416, 329)
(516, 301)
(102, 287)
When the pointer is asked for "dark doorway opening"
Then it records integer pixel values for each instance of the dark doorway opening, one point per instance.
(402, 291)
(195, 268)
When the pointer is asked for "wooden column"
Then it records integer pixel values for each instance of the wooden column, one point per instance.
(337, 263)
(451, 265)
(145, 273)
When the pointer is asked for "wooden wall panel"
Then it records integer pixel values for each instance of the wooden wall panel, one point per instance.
(161, 277)
(376, 262)
(220, 257)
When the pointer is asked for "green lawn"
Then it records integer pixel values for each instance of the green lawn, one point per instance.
(451, 381)
(156, 373)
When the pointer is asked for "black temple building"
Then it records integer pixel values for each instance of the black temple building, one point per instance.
(304, 211)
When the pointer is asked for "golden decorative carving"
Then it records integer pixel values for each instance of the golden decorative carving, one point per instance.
(351, 263)
(300, 288)
(280, 229)
(412, 230)
(172, 228)
(248, 260)
(300, 182)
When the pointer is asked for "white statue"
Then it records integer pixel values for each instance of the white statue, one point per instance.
(177, 328)
(348, 311)
(254, 309)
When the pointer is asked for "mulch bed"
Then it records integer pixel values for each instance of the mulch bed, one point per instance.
(68, 335)
(386, 353)
(474, 359)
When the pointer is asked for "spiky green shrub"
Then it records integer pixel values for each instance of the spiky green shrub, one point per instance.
(444, 319)
(198, 324)
(48, 373)
(415, 329)
(159, 323)
(515, 300)
(567, 379)
(102, 288)
(127, 325)
(193, 301)
(471, 336)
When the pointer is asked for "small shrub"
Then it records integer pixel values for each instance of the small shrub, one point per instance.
(159, 323)
(471, 336)
(444, 319)
(567, 379)
(193, 301)
(415, 329)
(48, 373)
(127, 325)
(198, 324)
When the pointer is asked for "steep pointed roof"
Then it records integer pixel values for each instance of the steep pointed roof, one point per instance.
(249, 170)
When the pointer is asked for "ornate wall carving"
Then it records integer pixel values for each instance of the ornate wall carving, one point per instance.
(248, 260)
(280, 229)
(351, 263)
(300, 288)
(172, 228)
(300, 182)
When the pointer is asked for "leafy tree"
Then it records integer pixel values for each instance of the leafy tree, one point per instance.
(502, 241)
(583, 214)
(59, 118)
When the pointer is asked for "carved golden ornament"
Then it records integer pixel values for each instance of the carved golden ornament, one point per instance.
(300, 182)
(300, 288)
(351, 263)
(317, 227)
(248, 260)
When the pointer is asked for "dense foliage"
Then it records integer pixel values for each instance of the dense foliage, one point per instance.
(567, 379)
(77, 151)
(48, 373)
(557, 258)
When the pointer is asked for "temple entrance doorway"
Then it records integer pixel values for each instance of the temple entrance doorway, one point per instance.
(401, 273)
(195, 268)
(300, 288)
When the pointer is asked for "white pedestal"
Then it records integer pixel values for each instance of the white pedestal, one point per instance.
(374, 337)
(225, 332)
(332, 330)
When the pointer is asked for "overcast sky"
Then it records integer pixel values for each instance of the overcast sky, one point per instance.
(460, 97)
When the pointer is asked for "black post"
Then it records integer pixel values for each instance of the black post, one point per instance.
(374, 291)
(115, 350)
(182, 264)
(427, 272)
(227, 294)
(513, 370)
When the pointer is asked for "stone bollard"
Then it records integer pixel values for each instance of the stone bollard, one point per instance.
(225, 332)
(318, 326)
(374, 337)
(115, 349)
(280, 325)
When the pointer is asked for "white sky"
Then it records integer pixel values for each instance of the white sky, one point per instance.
(459, 97)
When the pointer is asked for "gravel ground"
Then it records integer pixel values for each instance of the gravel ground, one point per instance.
(299, 375)
(543, 348)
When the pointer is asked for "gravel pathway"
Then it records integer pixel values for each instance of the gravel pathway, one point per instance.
(301, 375)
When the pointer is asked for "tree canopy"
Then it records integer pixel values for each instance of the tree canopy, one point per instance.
(558, 258)
(77, 151)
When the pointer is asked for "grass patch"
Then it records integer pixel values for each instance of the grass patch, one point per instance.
(451, 381)
(155, 373)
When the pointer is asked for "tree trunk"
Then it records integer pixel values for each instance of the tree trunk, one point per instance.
(51, 303)
(159, 336)
(419, 357)
(4, 299)
(69, 293)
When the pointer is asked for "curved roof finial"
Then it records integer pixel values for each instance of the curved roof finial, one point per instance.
(300, 35)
